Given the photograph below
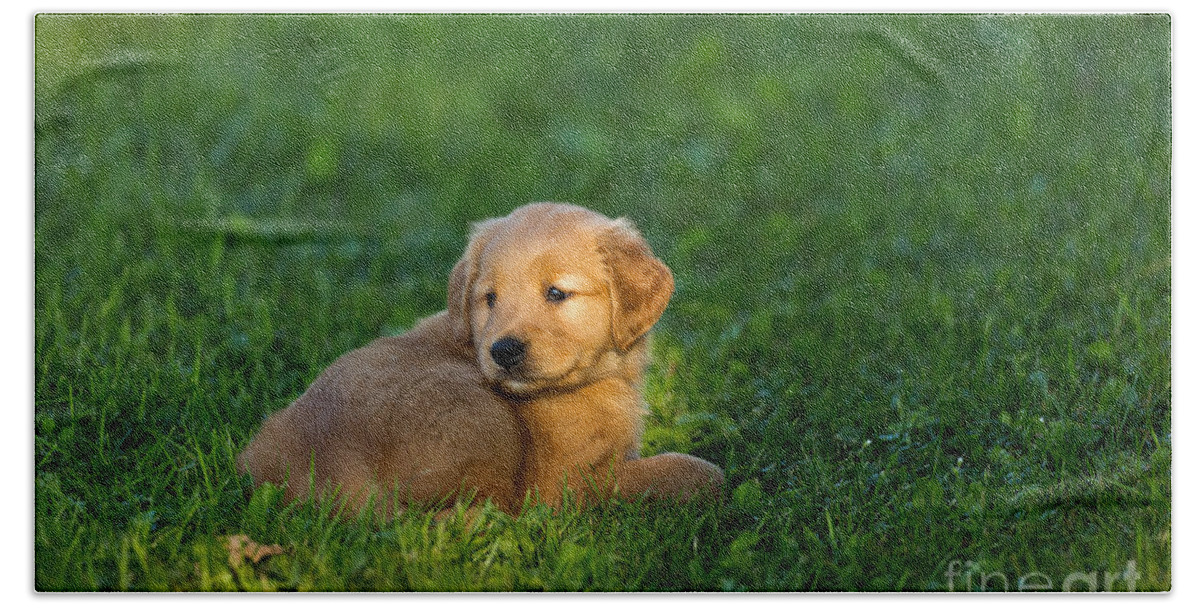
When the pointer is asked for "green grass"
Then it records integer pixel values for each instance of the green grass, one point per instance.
(922, 314)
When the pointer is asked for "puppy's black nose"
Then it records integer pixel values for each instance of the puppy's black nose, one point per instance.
(508, 352)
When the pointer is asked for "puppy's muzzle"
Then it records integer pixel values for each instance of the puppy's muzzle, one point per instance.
(508, 352)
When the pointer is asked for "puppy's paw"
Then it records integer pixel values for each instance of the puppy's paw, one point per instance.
(675, 476)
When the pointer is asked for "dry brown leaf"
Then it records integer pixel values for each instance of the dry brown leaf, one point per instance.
(241, 548)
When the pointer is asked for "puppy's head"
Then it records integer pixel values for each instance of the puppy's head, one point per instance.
(554, 296)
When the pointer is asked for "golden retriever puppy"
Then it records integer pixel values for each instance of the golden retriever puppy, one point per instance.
(529, 382)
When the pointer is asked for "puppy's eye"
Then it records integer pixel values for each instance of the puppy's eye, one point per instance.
(555, 294)
(490, 298)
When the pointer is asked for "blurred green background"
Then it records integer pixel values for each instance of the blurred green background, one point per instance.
(922, 263)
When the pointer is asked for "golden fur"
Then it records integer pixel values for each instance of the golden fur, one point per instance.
(531, 379)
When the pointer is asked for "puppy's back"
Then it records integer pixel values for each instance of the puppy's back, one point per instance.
(410, 413)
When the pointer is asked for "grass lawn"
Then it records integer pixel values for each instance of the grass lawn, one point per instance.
(922, 318)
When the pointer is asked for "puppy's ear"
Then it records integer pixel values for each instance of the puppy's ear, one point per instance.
(641, 284)
(462, 282)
